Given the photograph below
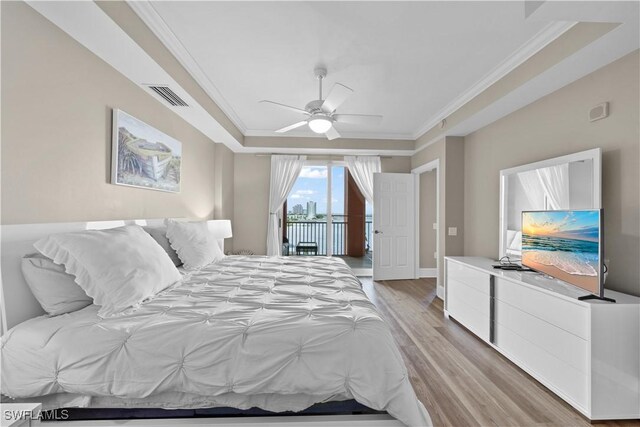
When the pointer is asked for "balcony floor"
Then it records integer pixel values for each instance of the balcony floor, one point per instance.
(361, 262)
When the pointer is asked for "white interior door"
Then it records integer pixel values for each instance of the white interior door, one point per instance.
(394, 226)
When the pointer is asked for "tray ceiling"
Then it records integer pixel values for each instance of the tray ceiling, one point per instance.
(407, 61)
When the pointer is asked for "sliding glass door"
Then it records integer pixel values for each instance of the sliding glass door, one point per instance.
(309, 211)
(324, 214)
(310, 208)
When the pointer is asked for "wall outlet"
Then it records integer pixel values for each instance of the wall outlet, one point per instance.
(453, 231)
(435, 255)
(435, 225)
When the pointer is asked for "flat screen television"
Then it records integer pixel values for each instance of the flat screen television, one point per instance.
(567, 245)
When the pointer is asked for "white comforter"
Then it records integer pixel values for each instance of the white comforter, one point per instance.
(243, 327)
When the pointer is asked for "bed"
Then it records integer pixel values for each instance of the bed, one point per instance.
(280, 334)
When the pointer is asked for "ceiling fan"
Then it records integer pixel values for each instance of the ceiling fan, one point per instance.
(322, 113)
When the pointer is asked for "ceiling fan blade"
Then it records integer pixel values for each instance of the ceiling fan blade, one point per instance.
(337, 96)
(288, 107)
(293, 126)
(357, 119)
(332, 133)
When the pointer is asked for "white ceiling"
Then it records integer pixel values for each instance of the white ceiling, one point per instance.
(92, 27)
(407, 61)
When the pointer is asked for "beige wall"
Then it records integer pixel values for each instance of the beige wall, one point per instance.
(428, 154)
(395, 164)
(251, 202)
(428, 217)
(224, 176)
(556, 125)
(57, 99)
(450, 153)
(251, 196)
(453, 172)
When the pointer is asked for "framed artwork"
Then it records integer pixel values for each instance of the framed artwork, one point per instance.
(142, 156)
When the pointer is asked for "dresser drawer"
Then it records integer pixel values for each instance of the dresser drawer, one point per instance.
(469, 295)
(469, 307)
(562, 378)
(469, 276)
(561, 344)
(564, 314)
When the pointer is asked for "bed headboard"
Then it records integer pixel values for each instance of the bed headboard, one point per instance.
(17, 303)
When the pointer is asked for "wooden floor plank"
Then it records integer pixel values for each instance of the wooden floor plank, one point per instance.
(460, 379)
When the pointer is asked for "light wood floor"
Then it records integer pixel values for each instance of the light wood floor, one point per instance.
(460, 379)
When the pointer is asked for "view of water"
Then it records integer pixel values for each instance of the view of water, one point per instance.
(578, 257)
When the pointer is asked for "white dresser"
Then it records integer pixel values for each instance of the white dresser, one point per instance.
(587, 352)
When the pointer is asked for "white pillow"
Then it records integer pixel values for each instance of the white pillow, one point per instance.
(159, 234)
(56, 291)
(119, 268)
(194, 243)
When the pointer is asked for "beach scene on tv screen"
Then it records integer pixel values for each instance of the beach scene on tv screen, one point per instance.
(563, 244)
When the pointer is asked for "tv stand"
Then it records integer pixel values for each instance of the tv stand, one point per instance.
(588, 297)
(584, 350)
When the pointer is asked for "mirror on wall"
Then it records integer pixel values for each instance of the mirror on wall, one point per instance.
(561, 183)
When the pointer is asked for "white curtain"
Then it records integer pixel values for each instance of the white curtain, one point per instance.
(533, 189)
(284, 172)
(555, 182)
(362, 169)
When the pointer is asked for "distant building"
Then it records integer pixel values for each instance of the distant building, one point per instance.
(297, 209)
(311, 210)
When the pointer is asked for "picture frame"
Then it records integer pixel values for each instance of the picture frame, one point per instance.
(143, 156)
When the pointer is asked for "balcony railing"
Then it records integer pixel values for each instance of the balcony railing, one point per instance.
(316, 231)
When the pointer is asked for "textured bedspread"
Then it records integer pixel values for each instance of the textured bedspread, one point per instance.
(244, 327)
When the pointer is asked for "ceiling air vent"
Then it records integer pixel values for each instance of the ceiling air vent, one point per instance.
(168, 95)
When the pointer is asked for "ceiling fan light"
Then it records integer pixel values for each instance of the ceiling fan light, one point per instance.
(319, 125)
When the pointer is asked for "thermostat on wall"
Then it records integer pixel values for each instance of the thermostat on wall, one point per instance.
(598, 112)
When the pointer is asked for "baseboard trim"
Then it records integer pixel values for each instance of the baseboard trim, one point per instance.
(428, 272)
(440, 293)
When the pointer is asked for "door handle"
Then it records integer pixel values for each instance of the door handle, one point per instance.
(378, 232)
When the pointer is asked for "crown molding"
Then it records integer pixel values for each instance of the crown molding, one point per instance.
(325, 151)
(91, 26)
(545, 36)
(349, 135)
(145, 10)
(147, 13)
